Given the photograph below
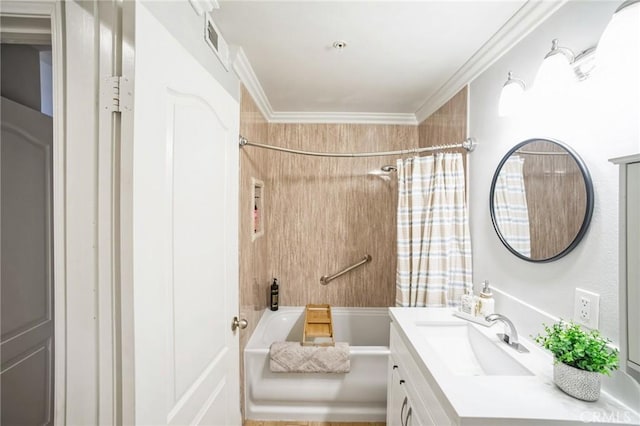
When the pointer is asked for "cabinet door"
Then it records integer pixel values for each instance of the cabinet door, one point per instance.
(395, 395)
(426, 408)
(416, 417)
(416, 413)
(404, 408)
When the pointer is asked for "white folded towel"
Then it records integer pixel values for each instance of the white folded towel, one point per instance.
(292, 357)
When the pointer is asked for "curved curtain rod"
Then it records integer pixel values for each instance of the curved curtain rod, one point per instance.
(542, 152)
(468, 144)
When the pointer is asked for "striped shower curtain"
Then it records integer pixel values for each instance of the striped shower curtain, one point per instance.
(434, 246)
(510, 206)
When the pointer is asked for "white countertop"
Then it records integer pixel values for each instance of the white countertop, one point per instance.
(505, 397)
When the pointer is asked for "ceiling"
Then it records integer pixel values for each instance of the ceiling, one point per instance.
(400, 61)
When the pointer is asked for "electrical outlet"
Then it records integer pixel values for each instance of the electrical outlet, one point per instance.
(586, 308)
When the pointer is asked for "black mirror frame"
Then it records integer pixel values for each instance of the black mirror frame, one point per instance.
(588, 183)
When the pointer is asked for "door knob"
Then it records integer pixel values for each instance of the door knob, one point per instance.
(241, 324)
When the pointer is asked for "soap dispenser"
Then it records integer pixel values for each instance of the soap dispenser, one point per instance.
(487, 304)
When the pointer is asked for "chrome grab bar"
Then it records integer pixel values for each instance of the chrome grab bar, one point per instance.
(324, 280)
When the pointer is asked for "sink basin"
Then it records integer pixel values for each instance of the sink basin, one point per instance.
(468, 352)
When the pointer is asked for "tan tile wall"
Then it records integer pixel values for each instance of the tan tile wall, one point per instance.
(254, 274)
(254, 163)
(324, 214)
(448, 124)
(556, 197)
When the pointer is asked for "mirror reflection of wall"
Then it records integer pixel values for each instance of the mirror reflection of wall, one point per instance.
(541, 200)
(556, 197)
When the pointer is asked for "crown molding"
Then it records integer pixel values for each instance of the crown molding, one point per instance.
(248, 77)
(523, 22)
(204, 6)
(344, 117)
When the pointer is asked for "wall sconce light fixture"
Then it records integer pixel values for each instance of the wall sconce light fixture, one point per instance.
(560, 68)
(617, 56)
(511, 95)
(618, 52)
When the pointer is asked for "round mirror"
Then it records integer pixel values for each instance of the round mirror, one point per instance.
(541, 200)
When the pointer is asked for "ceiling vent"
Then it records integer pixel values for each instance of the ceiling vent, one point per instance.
(215, 41)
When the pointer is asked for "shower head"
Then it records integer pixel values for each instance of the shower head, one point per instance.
(380, 174)
(388, 168)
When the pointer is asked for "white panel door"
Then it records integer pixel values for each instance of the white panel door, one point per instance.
(185, 249)
(27, 281)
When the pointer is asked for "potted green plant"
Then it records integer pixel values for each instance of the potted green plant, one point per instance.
(580, 358)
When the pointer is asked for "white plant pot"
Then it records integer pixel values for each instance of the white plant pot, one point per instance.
(581, 384)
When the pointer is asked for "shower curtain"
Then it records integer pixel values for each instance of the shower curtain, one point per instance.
(510, 206)
(434, 246)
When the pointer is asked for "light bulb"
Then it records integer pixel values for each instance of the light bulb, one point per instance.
(618, 52)
(555, 75)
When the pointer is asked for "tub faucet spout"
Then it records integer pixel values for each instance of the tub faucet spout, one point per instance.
(510, 336)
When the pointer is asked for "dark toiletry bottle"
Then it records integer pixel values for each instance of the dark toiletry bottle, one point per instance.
(256, 219)
(274, 295)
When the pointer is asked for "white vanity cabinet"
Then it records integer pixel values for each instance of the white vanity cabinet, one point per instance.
(403, 407)
(411, 401)
(444, 370)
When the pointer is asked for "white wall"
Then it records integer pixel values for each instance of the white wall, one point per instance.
(597, 130)
(188, 28)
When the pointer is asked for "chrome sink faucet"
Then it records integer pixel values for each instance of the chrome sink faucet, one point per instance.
(510, 336)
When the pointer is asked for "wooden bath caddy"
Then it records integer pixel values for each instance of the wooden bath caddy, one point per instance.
(318, 326)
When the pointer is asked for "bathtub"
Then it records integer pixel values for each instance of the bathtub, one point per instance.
(357, 396)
